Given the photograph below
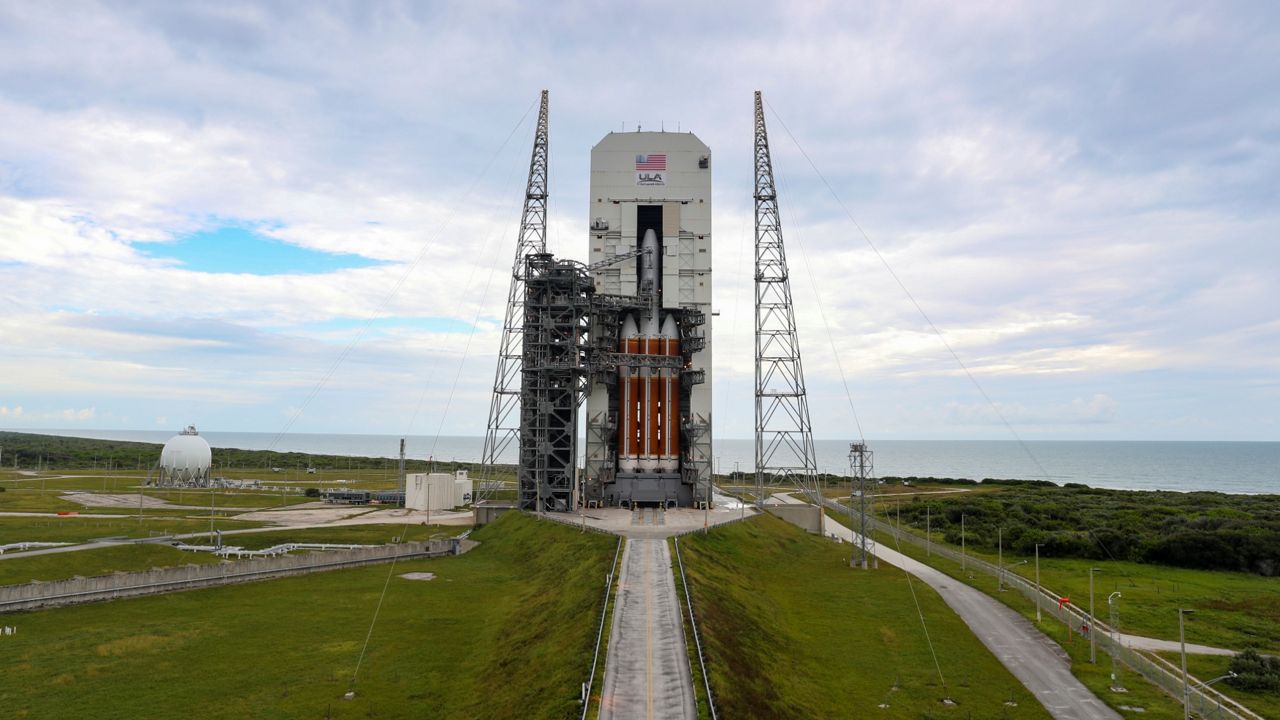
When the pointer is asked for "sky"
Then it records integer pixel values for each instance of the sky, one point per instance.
(301, 216)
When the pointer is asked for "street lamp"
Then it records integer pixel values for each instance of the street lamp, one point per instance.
(1093, 622)
(1020, 562)
(1219, 695)
(1182, 641)
(1038, 546)
(1114, 617)
(1000, 558)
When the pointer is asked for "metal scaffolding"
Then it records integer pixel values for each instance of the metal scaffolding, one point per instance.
(862, 477)
(553, 380)
(504, 415)
(784, 434)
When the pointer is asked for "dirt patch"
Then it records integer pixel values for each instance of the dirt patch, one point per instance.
(426, 576)
(130, 501)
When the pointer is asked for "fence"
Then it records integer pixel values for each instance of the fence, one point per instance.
(188, 577)
(604, 613)
(693, 624)
(1205, 701)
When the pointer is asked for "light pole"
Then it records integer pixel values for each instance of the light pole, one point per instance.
(1114, 607)
(1000, 558)
(1038, 593)
(1182, 641)
(1219, 695)
(1020, 562)
(1093, 623)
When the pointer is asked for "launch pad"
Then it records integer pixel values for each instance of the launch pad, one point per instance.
(627, 334)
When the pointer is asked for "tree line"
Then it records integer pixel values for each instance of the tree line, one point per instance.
(1202, 530)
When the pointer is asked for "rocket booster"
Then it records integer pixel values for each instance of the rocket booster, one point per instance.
(649, 397)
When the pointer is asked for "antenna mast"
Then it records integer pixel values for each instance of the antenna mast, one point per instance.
(784, 435)
(504, 409)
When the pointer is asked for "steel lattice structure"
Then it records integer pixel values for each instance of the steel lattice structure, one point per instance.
(862, 476)
(784, 434)
(555, 368)
(504, 408)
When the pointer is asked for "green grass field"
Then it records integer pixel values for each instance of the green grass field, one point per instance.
(15, 570)
(1210, 667)
(355, 534)
(1155, 703)
(1233, 610)
(792, 632)
(498, 633)
(83, 529)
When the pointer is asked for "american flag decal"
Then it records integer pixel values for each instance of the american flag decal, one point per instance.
(651, 162)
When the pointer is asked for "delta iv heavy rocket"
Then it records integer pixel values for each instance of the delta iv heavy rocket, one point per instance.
(649, 428)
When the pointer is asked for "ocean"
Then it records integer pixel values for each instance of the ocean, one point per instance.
(1232, 467)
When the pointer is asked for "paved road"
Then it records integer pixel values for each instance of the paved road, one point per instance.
(1138, 642)
(1032, 657)
(647, 670)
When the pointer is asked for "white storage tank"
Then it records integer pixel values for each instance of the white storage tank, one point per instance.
(185, 459)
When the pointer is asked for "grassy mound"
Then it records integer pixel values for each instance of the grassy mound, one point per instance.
(502, 631)
(792, 632)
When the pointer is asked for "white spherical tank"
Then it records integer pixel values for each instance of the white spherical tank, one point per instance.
(186, 458)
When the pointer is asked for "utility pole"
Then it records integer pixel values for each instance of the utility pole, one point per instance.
(504, 408)
(1038, 593)
(784, 433)
(964, 557)
(1093, 622)
(1114, 617)
(706, 511)
(1182, 641)
(403, 487)
(928, 538)
(1000, 559)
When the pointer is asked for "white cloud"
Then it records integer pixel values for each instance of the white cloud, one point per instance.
(1098, 409)
(1075, 198)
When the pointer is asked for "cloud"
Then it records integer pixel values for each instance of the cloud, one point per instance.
(1079, 200)
(1098, 409)
(74, 415)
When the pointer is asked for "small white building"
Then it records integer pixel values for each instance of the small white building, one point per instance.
(437, 491)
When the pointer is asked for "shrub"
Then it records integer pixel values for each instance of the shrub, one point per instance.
(1255, 672)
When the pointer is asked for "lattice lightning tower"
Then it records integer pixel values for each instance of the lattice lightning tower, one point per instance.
(504, 409)
(862, 476)
(784, 435)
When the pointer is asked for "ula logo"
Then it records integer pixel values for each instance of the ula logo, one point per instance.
(651, 169)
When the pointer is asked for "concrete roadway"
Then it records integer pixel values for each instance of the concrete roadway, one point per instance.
(1032, 657)
(647, 672)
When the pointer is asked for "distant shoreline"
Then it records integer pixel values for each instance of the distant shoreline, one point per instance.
(338, 451)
